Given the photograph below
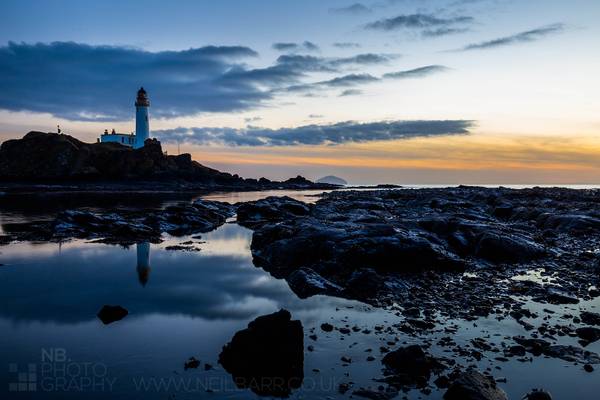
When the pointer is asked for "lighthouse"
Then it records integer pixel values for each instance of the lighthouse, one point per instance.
(143, 262)
(142, 125)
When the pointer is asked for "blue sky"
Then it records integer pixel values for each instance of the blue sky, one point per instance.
(258, 87)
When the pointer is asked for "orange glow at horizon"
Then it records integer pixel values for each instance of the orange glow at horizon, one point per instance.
(465, 152)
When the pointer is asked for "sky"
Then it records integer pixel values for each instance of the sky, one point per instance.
(383, 91)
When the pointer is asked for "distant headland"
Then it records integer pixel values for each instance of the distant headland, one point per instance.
(55, 159)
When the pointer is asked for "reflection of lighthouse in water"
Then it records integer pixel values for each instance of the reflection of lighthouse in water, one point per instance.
(143, 262)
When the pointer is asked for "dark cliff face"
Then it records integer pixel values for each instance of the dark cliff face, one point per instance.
(40, 156)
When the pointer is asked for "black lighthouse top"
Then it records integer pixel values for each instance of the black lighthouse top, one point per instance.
(142, 98)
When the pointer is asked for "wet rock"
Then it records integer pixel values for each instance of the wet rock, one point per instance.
(270, 209)
(532, 345)
(373, 395)
(588, 334)
(472, 385)
(364, 284)
(412, 363)
(590, 318)
(572, 223)
(497, 247)
(127, 226)
(306, 282)
(268, 356)
(572, 354)
(181, 248)
(556, 296)
(326, 327)
(368, 243)
(109, 314)
(538, 394)
(191, 363)
(343, 388)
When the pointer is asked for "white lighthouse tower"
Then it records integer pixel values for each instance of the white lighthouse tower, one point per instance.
(142, 124)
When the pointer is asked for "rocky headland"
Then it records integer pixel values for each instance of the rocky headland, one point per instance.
(50, 161)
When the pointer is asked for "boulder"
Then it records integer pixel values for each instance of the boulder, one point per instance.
(268, 356)
(590, 318)
(473, 385)
(412, 362)
(538, 394)
(109, 314)
(270, 209)
(502, 248)
(588, 334)
(306, 282)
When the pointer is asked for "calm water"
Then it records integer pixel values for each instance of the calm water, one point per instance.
(185, 304)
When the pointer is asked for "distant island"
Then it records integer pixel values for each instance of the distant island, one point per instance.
(332, 180)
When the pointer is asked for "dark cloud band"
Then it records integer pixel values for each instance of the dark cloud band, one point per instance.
(417, 72)
(522, 37)
(339, 133)
(417, 21)
(90, 83)
(82, 82)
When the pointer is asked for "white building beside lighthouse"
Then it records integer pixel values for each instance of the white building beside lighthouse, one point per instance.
(142, 125)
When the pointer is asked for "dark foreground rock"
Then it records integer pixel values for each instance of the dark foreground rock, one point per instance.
(271, 209)
(538, 394)
(125, 226)
(473, 385)
(411, 365)
(368, 245)
(109, 314)
(268, 356)
(590, 318)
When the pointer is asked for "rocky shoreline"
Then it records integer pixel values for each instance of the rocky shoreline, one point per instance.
(435, 256)
(430, 256)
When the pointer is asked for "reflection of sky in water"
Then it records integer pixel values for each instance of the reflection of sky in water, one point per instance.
(307, 196)
(192, 303)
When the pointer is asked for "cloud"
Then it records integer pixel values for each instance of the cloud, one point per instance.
(346, 45)
(338, 133)
(315, 116)
(349, 80)
(416, 21)
(83, 82)
(285, 46)
(293, 47)
(365, 59)
(522, 37)
(350, 92)
(432, 33)
(98, 83)
(310, 46)
(417, 72)
(353, 9)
